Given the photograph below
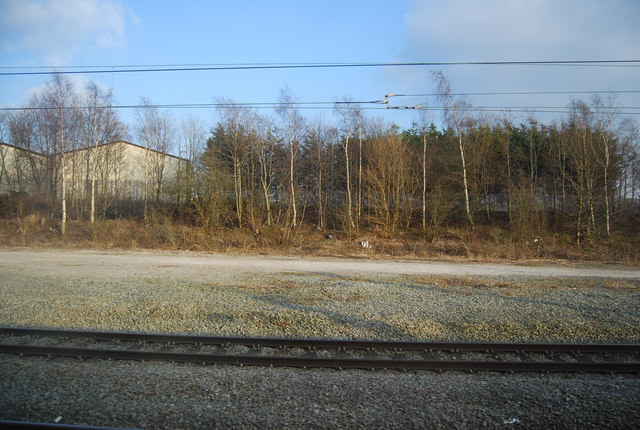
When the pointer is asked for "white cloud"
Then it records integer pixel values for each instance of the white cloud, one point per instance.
(519, 30)
(56, 29)
(523, 30)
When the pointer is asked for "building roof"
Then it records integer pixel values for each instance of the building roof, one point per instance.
(101, 145)
(21, 149)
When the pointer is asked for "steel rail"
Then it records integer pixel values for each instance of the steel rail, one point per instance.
(315, 362)
(327, 343)
(34, 425)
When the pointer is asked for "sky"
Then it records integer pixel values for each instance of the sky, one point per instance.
(50, 35)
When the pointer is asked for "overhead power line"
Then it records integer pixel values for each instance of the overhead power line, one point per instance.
(324, 105)
(263, 66)
(366, 105)
(517, 93)
(316, 63)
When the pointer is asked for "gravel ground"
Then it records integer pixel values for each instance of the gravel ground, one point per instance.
(156, 292)
(311, 305)
(172, 396)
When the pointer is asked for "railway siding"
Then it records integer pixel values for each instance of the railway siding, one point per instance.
(324, 353)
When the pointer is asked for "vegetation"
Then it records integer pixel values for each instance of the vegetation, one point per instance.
(481, 187)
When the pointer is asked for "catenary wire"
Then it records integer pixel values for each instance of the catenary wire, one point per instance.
(518, 93)
(319, 63)
(632, 62)
(316, 106)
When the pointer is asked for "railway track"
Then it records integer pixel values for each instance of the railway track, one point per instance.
(324, 353)
(11, 424)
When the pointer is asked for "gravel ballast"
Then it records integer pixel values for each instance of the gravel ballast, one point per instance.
(115, 291)
(172, 396)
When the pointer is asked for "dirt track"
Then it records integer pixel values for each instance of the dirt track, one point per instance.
(148, 263)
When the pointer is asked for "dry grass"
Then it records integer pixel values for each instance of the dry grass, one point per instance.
(483, 282)
(483, 244)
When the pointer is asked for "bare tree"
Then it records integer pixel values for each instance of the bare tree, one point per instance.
(456, 116)
(293, 127)
(211, 185)
(101, 126)
(388, 180)
(629, 187)
(264, 153)
(193, 137)
(60, 132)
(234, 138)
(504, 138)
(605, 116)
(581, 165)
(350, 125)
(5, 127)
(319, 138)
(156, 132)
(360, 127)
(29, 167)
(425, 121)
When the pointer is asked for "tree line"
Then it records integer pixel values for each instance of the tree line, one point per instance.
(350, 172)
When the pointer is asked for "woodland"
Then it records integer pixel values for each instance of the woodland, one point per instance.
(477, 185)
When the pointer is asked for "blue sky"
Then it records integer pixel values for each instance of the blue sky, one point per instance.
(100, 33)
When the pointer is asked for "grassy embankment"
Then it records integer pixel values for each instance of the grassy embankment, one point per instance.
(483, 244)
